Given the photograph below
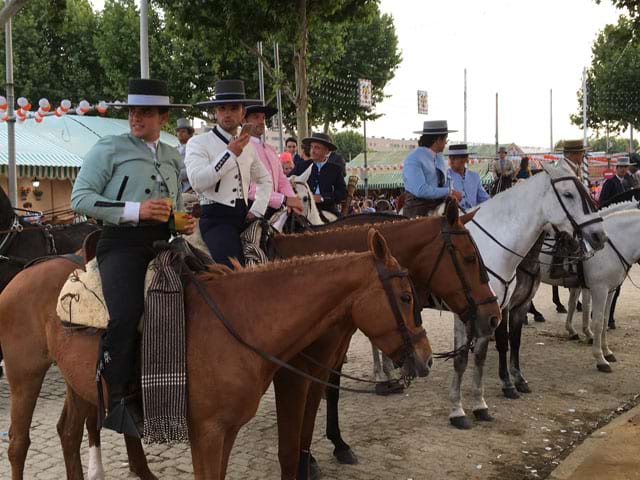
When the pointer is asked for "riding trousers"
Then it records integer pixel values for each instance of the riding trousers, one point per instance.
(123, 255)
(220, 227)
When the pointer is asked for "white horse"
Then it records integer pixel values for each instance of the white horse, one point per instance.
(603, 274)
(505, 228)
(303, 191)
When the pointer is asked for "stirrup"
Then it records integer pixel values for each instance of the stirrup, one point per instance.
(125, 417)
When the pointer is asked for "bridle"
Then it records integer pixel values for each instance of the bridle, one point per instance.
(10, 234)
(469, 316)
(588, 206)
(404, 353)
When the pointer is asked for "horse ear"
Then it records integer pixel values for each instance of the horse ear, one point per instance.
(378, 245)
(452, 212)
(304, 177)
(467, 217)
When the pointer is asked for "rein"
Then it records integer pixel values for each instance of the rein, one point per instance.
(406, 349)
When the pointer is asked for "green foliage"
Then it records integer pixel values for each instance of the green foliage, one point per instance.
(604, 144)
(350, 143)
(613, 80)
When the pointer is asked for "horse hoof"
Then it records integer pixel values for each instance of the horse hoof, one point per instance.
(539, 318)
(611, 358)
(612, 325)
(345, 457)
(605, 368)
(389, 388)
(461, 423)
(560, 309)
(575, 336)
(1, 372)
(590, 341)
(523, 387)
(579, 307)
(483, 415)
(511, 393)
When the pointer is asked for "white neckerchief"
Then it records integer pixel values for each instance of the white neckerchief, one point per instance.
(153, 146)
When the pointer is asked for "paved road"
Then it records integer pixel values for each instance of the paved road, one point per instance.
(408, 436)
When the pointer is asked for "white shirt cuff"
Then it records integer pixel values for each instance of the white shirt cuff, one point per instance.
(131, 213)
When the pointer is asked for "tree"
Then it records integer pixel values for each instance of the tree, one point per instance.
(613, 79)
(290, 22)
(604, 144)
(350, 143)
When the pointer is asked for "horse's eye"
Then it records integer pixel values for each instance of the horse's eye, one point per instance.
(568, 195)
(405, 297)
(470, 259)
(305, 199)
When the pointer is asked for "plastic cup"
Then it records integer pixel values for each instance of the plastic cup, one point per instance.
(181, 219)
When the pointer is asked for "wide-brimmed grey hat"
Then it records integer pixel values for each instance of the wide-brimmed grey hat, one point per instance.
(503, 150)
(183, 124)
(622, 162)
(574, 146)
(229, 91)
(146, 92)
(322, 138)
(434, 127)
(459, 150)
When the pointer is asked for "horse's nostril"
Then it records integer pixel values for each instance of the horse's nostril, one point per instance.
(495, 321)
(430, 362)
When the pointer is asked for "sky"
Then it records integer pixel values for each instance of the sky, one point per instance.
(519, 49)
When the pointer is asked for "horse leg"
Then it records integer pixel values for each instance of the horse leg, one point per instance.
(377, 365)
(137, 460)
(502, 345)
(608, 354)
(96, 469)
(383, 373)
(229, 440)
(291, 394)
(480, 407)
(612, 321)
(599, 302)
(515, 337)
(207, 448)
(537, 316)
(457, 416)
(556, 300)
(1, 358)
(568, 323)
(69, 428)
(586, 315)
(341, 449)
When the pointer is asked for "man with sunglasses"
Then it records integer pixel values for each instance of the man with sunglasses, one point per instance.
(424, 171)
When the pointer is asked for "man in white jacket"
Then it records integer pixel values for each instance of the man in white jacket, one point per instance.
(220, 167)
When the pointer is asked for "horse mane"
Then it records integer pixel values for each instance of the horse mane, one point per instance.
(217, 270)
(619, 205)
(345, 228)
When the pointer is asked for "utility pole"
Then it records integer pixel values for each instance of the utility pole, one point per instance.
(551, 119)
(465, 105)
(12, 169)
(276, 57)
(585, 160)
(260, 72)
(497, 145)
(144, 39)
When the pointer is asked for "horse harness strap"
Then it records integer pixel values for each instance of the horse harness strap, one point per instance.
(587, 205)
(407, 342)
(627, 266)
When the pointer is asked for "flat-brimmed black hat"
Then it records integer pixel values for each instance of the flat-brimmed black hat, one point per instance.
(322, 138)
(266, 109)
(459, 150)
(146, 92)
(229, 91)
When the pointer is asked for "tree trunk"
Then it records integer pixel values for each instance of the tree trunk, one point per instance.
(327, 125)
(300, 68)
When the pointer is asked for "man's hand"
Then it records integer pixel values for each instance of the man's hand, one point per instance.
(294, 204)
(237, 144)
(457, 195)
(317, 198)
(189, 227)
(154, 209)
(250, 217)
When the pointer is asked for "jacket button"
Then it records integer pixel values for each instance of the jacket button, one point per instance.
(147, 191)
(153, 177)
(236, 177)
(234, 190)
(233, 201)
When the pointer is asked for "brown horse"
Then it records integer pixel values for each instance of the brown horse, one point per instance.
(226, 379)
(421, 246)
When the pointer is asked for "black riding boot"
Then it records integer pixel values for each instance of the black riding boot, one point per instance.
(125, 411)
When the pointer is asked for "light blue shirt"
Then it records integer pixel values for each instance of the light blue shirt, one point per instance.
(471, 187)
(420, 175)
(319, 165)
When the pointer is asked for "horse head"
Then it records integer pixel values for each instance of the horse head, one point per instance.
(303, 191)
(384, 311)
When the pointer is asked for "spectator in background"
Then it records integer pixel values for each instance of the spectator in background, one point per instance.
(184, 131)
(524, 171)
(287, 162)
(633, 170)
(291, 146)
(368, 206)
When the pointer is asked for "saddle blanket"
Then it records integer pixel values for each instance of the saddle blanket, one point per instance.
(81, 302)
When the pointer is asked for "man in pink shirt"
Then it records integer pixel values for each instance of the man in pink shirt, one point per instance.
(282, 193)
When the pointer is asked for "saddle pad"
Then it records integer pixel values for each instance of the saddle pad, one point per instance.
(81, 302)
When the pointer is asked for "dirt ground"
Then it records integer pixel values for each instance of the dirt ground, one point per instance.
(408, 436)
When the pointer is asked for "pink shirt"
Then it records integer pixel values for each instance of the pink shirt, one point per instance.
(281, 186)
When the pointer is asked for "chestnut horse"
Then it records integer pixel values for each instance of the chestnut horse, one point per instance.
(226, 379)
(427, 247)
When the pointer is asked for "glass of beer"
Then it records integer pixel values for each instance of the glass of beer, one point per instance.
(181, 219)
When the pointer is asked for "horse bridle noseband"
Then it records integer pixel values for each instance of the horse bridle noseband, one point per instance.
(588, 206)
(470, 315)
(405, 351)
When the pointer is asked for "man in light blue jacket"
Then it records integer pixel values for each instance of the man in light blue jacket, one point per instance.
(424, 171)
(464, 180)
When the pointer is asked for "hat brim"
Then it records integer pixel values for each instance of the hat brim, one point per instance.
(441, 132)
(268, 111)
(326, 143)
(169, 105)
(189, 128)
(215, 103)
(460, 154)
